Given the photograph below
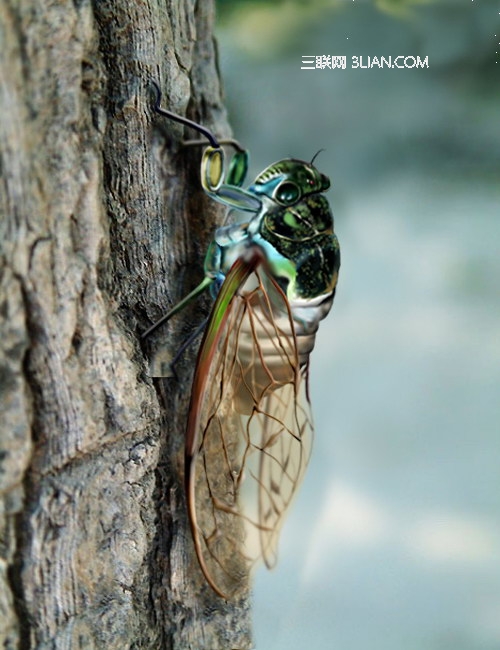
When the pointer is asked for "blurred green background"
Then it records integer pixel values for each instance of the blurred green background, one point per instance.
(394, 540)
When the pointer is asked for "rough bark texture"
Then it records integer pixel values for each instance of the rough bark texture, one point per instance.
(103, 227)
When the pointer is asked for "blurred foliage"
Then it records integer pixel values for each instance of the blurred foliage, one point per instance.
(396, 7)
(400, 7)
(262, 28)
(272, 27)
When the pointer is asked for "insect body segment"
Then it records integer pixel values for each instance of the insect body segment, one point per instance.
(249, 434)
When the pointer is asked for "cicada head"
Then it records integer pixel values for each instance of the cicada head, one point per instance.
(286, 182)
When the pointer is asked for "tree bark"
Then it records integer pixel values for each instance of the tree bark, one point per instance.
(103, 228)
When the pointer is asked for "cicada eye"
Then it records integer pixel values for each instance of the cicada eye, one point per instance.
(287, 193)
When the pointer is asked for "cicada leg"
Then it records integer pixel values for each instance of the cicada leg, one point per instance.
(183, 120)
(238, 165)
(204, 284)
(226, 190)
(162, 363)
(185, 345)
(213, 181)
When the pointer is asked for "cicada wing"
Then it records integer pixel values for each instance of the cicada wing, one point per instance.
(287, 437)
(250, 429)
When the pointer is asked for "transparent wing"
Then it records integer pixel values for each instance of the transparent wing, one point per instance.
(250, 428)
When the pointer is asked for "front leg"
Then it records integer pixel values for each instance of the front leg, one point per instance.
(212, 166)
(231, 195)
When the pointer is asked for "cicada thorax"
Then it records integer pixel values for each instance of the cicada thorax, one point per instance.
(302, 234)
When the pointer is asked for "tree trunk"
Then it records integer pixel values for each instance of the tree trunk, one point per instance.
(103, 228)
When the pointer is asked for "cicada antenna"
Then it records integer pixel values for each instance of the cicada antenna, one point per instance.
(316, 155)
(183, 120)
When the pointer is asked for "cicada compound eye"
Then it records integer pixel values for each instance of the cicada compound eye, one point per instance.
(287, 193)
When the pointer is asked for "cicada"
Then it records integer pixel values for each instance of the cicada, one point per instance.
(273, 274)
